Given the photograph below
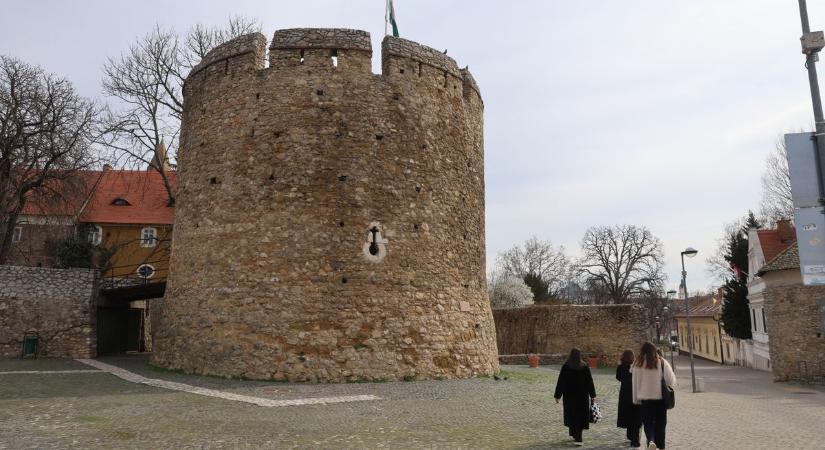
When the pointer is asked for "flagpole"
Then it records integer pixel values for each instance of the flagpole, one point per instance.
(386, 15)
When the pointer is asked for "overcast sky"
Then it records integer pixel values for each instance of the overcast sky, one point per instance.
(657, 113)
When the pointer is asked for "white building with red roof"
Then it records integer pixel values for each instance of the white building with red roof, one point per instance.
(763, 247)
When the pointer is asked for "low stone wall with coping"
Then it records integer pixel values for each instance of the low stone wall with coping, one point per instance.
(603, 331)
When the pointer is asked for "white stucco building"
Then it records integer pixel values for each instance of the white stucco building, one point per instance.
(763, 246)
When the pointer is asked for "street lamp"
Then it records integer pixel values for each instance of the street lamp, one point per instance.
(690, 252)
(669, 318)
(657, 321)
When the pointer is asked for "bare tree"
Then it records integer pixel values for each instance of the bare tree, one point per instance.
(654, 304)
(776, 202)
(46, 137)
(718, 264)
(625, 261)
(147, 82)
(541, 265)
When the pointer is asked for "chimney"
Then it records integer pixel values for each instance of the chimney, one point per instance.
(107, 167)
(786, 231)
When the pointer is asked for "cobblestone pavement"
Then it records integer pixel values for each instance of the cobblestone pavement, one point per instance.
(741, 409)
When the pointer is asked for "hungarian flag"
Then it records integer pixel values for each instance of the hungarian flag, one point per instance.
(391, 18)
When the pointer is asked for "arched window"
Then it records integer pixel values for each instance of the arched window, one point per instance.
(148, 237)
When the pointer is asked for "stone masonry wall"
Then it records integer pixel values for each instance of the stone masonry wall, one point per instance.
(602, 331)
(57, 304)
(797, 337)
(329, 221)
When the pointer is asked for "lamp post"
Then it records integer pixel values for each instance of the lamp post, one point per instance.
(690, 252)
(657, 322)
(669, 318)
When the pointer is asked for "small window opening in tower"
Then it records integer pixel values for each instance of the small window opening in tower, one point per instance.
(374, 241)
(302, 56)
(334, 58)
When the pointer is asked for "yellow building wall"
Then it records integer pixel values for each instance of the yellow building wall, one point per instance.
(129, 254)
(705, 333)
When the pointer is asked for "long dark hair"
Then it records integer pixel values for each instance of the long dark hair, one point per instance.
(574, 361)
(628, 357)
(648, 358)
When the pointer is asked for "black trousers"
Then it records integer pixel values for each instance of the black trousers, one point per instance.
(654, 418)
(576, 433)
(633, 432)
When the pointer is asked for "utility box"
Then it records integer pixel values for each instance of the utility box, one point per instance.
(812, 42)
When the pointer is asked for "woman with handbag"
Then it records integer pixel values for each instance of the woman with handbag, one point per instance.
(629, 415)
(575, 387)
(653, 383)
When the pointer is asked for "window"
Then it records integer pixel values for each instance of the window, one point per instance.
(764, 322)
(145, 271)
(17, 234)
(148, 237)
(94, 234)
(121, 202)
(753, 322)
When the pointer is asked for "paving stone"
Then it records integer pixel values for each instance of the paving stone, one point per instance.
(742, 409)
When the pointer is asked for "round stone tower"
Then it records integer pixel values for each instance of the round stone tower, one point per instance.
(329, 221)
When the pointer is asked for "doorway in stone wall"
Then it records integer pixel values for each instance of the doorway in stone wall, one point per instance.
(119, 330)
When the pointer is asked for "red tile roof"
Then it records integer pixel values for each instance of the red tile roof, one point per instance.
(145, 192)
(786, 259)
(62, 197)
(771, 243)
(702, 306)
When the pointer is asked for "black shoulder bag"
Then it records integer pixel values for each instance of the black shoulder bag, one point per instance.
(668, 396)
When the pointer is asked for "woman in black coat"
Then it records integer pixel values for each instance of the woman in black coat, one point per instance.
(629, 414)
(575, 387)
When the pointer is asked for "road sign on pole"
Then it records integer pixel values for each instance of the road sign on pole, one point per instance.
(809, 219)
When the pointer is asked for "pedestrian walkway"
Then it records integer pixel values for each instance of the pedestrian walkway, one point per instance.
(741, 409)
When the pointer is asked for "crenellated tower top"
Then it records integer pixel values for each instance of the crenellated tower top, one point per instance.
(340, 48)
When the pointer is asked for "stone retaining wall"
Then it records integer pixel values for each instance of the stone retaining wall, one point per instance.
(57, 304)
(797, 332)
(603, 331)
